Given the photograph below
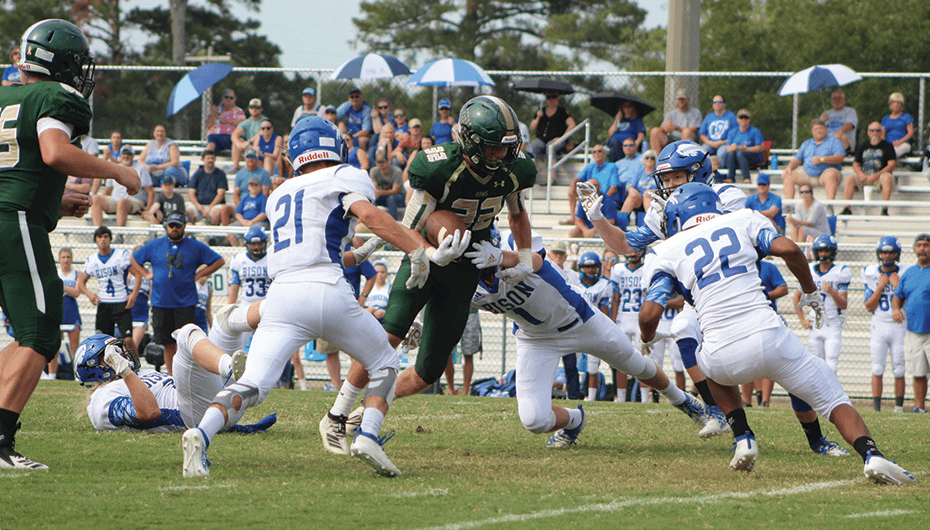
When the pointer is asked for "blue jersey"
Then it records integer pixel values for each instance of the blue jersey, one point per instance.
(174, 265)
(914, 289)
(771, 279)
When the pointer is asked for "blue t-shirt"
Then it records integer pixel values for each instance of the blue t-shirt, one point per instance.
(753, 203)
(356, 120)
(249, 206)
(441, 132)
(606, 174)
(354, 273)
(352, 158)
(12, 74)
(914, 289)
(630, 171)
(828, 147)
(628, 128)
(771, 278)
(207, 184)
(243, 176)
(174, 266)
(716, 127)
(895, 129)
(750, 138)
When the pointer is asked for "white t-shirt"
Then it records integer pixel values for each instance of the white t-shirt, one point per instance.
(119, 191)
(111, 272)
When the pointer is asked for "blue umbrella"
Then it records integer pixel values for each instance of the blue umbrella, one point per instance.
(817, 77)
(195, 83)
(450, 72)
(371, 66)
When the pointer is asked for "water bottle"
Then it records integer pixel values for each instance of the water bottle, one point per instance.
(774, 161)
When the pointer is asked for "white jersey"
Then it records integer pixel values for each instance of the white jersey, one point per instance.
(203, 295)
(111, 272)
(378, 297)
(630, 290)
(733, 199)
(716, 263)
(838, 275)
(111, 406)
(70, 279)
(145, 289)
(870, 277)
(311, 224)
(251, 276)
(598, 294)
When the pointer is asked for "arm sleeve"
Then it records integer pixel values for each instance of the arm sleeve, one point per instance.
(661, 288)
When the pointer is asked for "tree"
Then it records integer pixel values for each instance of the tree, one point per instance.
(17, 15)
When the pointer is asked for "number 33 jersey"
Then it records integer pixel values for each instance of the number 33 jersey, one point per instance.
(251, 276)
(714, 265)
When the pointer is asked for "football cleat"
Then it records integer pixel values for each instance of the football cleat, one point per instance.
(354, 421)
(568, 437)
(899, 410)
(329, 387)
(333, 432)
(239, 358)
(828, 448)
(368, 447)
(745, 452)
(10, 459)
(221, 318)
(412, 340)
(716, 423)
(194, 445)
(919, 410)
(694, 408)
(882, 471)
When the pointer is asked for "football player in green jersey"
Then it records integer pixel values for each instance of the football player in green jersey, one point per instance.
(38, 122)
(475, 176)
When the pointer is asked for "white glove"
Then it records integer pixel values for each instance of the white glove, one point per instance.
(485, 255)
(365, 251)
(114, 358)
(451, 248)
(658, 203)
(815, 301)
(515, 274)
(419, 269)
(591, 200)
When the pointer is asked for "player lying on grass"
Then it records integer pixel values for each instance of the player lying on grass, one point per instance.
(711, 259)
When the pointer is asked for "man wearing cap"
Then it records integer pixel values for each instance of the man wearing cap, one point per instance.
(246, 131)
(309, 108)
(766, 203)
(329, 112)
(115, 198)
(744, 147)
(222, 121)
(441, 131)
(401, 126)
(841, 120)
(910, 302)
(175, 260)
(680, 124)
(207, 193)
(873, 164)
(251, 209)
(607, 177)
(354, 117)
(167, 201)
(820, 159)
(251, 169)
(716, 125)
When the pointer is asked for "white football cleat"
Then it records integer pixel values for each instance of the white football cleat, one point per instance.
(745, 453)
(238, 363)
(694, 408)
(333, 432)
(367, 447)
(354, 421)
(882, 471)
(716, 423)
(194, 446)
(221, 318)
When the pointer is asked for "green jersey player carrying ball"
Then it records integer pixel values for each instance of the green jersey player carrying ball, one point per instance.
(38, 122)
(475, 176)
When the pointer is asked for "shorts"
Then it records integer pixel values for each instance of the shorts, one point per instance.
(608, 208)
(111, 316)
(803, 178)
(917, 351)
(471, 337)
(167, 319)
(109, 204)
(222, 142)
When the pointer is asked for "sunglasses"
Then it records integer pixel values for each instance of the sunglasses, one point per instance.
(610, 260)
(718, 101)
(251, 156)
(254, 107)
(649, 158)
(875, 130)
(401, 115)
(266, 128)
(354, 96)
(229, 97)
(383, 107)
(175, 225)
(805, 191)
(629, 145)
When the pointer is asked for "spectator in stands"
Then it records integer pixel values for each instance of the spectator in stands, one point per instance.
(822, 158)
(549, 124)
(630, 173)
(89, 145)
(626, 125)
(330, 114)
(354, 117)
(874, 162)
(115, 198)
(269, 146)
(375, 301)
(841, 121)
(251, 169)
(767, 203)
(11, 75)
(244, 135)
(175, 260)
(251, 210)
(79, 185)
(71, 316)
(899, 125)
(600, 170)
(910, 302)
(159, 154)
(744, 147)
(111, 151)
(389, 184)
(357, 156)
(207, 193)
(647, 182)
(714, 129)
(441, 131)
(425, 143)
(409, 146)
(680, 124)
(309, 107)
(166, 202)
(222, 121)
(387, 142)
(811, 219)
(380, 116)
(401, 126)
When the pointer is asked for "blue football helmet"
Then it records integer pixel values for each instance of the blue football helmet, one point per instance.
(256, 241)
(888, 244)
(89, 366)
(688, 201)
(636, 257)
(590, 259)
(313, 139)
(825, 242)
(685, 155)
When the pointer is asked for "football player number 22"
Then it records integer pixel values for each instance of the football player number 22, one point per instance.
(9, 157)
(707, 257)
(485, 210)
(284, 221)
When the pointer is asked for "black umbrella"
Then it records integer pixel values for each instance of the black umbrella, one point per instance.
(541, 85)
(610, 102)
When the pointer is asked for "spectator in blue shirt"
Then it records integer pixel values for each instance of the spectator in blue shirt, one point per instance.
(899, 125)
(713, 130)
(911, 295)
(441, 131)
(603, 171)
(627, 125)
(354, 117)
(630, 173)
(252, 169)
(768, 204)
(11, 75)
(822, 158)
(744, 147)
(174, 259)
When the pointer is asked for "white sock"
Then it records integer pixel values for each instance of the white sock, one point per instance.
(212, 423)
(644, 392)
(239, 319)
(224, 367)
(302, 384)
(621, 395)
(348, 395)
(574, 418)
(592, 394)
(371, 421)
(674, 394)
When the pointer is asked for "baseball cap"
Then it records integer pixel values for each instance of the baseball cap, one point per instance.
(168, 179)
(175, 218)
(444, 104)
(309, 92)
(922, 237)
(329, 108)
(559, 246)
(743, 112)
(251, 153)
(415, 123)
(255, 102)
(897, 96)
(354, 90)
(255, 180)
(763, 178)
(681, 94)
(126, 150)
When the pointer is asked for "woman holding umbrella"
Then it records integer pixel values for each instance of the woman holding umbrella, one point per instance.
(626, 124)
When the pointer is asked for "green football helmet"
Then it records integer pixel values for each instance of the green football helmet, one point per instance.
(59, 49)
(488, 121)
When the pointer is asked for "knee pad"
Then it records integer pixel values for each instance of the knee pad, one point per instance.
(878, 368)
(649, 370)
(687, 347)
(898, 370)
(248, 395)
(382, 384)
(798, 404)
(539, 423)
(594, 364)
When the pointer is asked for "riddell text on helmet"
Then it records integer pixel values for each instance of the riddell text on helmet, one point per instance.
(313, 156)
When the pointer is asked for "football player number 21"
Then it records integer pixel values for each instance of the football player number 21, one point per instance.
(9, 157)
(283, 227)
(708, 253)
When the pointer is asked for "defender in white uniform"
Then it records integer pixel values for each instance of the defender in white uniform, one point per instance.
(887, 336)
(313, 217)
(627, 298)
(598, 291)
(712, 261)
(248, 273)
(832, 281)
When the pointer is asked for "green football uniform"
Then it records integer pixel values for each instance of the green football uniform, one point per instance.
(30, 202)
(477, 198)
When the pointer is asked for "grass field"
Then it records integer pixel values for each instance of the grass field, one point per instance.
(467, 463)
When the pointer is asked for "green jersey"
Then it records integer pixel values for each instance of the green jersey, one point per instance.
(26, 182)
(476, 197)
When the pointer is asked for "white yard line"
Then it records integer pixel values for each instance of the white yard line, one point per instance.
(884, 513)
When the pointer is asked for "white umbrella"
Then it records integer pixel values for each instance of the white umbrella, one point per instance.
(817, 77)
(371, 66)
(450, 72)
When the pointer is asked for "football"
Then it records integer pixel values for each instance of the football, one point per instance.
(442, 223)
